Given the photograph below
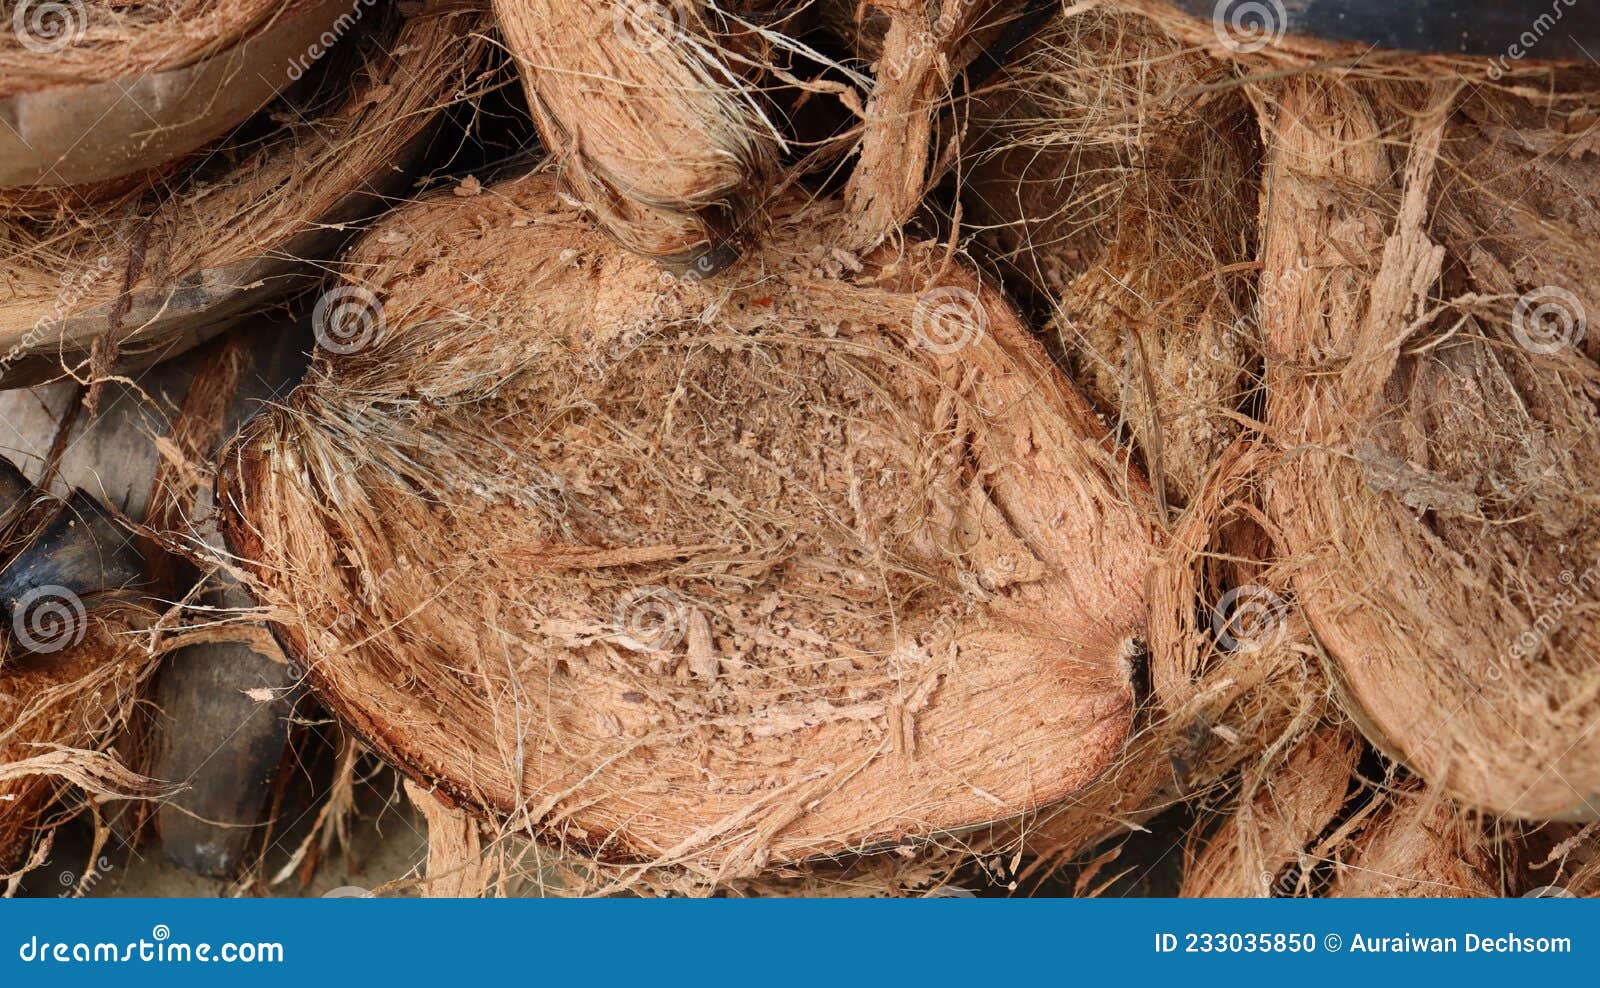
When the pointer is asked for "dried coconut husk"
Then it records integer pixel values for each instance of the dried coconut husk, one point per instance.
(1235, 677)
(1421, 846)
(1263, 848)
(922, 56)
(121, 88)
(141, 278)
(1432, 500)
(70, 661)
(215, 715)
(718, 531)
(1116, 179)
(658, 127)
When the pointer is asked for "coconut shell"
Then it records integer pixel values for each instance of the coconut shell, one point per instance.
(150, 276)
(657, 131)
(68, 126)
(70, 665)
(1431, 502)
(694, 595)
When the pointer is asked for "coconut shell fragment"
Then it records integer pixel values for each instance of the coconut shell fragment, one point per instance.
(147, 271)
(814, 557)
(70, 665)
(91, 92)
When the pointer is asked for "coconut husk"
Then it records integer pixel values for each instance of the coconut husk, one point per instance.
(1235, 677)
(697, 596)
(215, 713)
(70, 660)
(658, 128)
(1261, 848)
(1114, 177)
(1432, 498)
(144, 277)
(94, 91)
(1420, 846)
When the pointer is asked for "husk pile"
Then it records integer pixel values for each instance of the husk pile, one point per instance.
(125, 282)
(739, 570)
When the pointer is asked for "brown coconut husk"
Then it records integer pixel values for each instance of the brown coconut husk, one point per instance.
(215, 714)
(1235, 676)
(119, 89)
(1265, 847)
(1421, 846)
(1114, 176)
(1431, 495)
(142, 277)
(695, 597)
(71, 661)
(923, 59)
(658, 127)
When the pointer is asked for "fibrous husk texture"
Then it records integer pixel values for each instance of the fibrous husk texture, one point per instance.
(97, 40)
(71, 661)
(821, 556)
(658, 126)
(1113, 175)
(152, 270)
(1438, 440)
